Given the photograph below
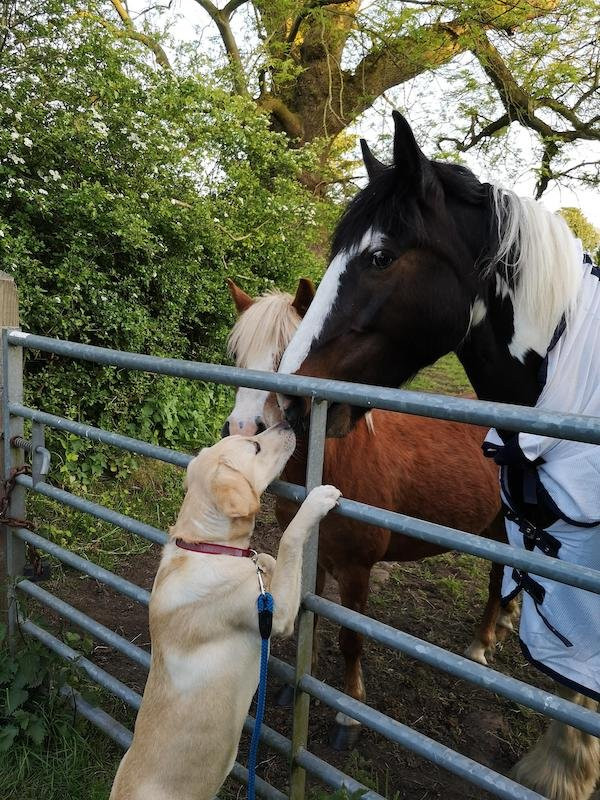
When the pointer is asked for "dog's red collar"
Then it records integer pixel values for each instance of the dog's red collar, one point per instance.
(215, 549)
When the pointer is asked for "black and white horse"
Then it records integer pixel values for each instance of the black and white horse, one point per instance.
(428, 260)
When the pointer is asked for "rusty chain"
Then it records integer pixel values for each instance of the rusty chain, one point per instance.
(6, 490)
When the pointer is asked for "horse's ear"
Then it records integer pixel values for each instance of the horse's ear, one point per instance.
(241, 300)
(304, 295)
(373, 165)
(409, 160)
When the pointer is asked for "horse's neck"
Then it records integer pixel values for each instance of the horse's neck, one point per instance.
(494, 373)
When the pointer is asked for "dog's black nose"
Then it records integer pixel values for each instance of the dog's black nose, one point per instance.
(225, 429)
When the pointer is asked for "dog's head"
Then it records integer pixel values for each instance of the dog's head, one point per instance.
(224, 482)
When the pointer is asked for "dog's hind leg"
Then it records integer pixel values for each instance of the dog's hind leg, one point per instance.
(565, 763)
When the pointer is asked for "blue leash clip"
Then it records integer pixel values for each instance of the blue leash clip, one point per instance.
(265, 623)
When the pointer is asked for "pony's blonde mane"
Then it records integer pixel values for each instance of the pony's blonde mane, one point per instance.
(266, 326)
(540, 260)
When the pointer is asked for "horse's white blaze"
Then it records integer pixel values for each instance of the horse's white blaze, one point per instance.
(323, 301)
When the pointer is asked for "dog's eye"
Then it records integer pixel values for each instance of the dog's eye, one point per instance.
(256, 444)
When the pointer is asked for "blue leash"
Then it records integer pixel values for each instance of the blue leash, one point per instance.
(265, 622)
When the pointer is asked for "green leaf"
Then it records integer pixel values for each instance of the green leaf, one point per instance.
(37, 730)
(15, 697)
(8, 733)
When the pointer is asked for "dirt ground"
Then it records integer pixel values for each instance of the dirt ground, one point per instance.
(438, 600)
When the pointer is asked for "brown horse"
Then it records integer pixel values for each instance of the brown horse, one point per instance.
(427, 468)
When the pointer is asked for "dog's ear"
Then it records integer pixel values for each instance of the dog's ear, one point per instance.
(232, 492)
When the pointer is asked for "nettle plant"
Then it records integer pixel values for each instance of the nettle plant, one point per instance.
(31, 709)
(128, 194)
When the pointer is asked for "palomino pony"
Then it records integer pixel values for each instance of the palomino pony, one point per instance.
(427, 260)
(427, 468)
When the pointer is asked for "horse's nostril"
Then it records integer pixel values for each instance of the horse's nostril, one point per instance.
(260, 425)
(225, 429)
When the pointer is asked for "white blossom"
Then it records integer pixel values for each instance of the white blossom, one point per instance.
(42, 191)
(54, 175)
(27, 142)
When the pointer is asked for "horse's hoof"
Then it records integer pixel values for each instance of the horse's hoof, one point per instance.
(344, 737)
(477, 652)
(285, 696)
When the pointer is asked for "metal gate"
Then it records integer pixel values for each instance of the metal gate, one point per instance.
(302, 761)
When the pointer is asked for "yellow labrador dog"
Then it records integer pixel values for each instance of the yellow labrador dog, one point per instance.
(204, 620)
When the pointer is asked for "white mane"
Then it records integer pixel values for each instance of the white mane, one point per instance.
(266, 326)
(540, 260)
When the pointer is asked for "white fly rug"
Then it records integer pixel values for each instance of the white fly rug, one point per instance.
(561, 632)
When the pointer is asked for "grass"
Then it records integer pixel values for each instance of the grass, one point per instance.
(78, 766)
(80, 763)
(446, 376)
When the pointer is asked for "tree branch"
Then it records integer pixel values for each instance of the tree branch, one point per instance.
(398, 61)
(521, 107)
(221, 18)
(306, 12)
(131, 33)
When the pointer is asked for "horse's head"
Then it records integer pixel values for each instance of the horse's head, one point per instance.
(411, 275)
(263, 330)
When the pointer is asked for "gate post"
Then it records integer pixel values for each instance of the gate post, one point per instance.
(12, 550)
(306, 619)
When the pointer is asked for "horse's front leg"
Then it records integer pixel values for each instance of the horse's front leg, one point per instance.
(564, 764)
(353, 581)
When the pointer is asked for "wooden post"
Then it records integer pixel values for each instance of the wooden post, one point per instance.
(12, 550)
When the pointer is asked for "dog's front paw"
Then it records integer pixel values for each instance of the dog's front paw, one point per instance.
(320, 501)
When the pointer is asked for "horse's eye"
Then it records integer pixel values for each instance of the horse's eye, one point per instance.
(380, 259)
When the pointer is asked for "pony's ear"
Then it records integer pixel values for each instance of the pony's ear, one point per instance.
(409, 160)
(241, 300)
(304, 295)
(233, 495)
(373, 165)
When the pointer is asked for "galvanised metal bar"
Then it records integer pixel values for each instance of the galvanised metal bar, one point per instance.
(96, 629)
(510, 417)
(88, 567)
(452, 539)
(306, 620)
(330, 776)
(433, 751)
(130, 524)
(100, 435)
(123, 737)
(461, 667)
(96, 673)
(107, 724)
(263, 788)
